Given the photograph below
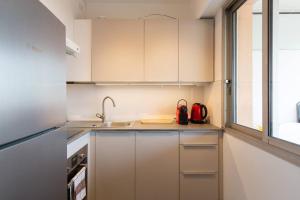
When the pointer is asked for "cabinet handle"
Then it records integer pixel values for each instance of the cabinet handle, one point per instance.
(186, 173)
(200, 145)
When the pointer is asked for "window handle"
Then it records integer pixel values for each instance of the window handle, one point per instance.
(227, 82)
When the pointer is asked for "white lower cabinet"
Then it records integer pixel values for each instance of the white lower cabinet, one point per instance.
(199, 166)
(154, 165)
(157, 166)
(115, 166)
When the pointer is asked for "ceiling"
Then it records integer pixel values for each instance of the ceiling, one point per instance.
(198, 8)
(138, 1)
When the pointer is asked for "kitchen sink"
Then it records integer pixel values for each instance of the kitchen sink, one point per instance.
(116, 124)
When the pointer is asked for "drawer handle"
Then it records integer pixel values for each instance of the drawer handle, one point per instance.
(200, 145)
(199, 173)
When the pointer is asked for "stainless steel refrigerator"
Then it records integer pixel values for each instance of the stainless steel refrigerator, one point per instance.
(32, 102)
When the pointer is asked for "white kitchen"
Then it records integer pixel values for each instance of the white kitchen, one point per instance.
(150, 99)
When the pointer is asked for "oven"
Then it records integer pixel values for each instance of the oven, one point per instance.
(77, 170)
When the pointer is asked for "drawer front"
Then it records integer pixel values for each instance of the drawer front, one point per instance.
(198, 137)
(195, 158)
(199, 186)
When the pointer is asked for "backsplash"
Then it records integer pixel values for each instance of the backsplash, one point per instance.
(132, 102)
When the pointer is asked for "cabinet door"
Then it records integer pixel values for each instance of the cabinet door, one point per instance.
(115, 166)
(80, 67)
(157, 166)
(196, 42)
(118, 50)
(161, 50)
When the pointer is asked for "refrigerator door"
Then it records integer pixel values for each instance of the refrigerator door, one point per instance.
(35, 169)
(32, 66)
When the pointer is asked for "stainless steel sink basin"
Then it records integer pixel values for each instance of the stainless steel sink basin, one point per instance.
(116, 124)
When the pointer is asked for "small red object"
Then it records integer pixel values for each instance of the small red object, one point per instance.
(182, 113)
(199, 113)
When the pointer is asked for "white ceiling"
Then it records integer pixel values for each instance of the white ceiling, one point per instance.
(139, 1)
(197, 8)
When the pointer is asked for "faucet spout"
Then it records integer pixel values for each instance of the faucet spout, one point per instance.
(102, 116)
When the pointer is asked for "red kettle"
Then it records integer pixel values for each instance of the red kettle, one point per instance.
(199, 113)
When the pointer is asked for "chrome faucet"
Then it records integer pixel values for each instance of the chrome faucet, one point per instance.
(102, 116)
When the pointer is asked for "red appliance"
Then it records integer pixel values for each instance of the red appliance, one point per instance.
(198, 114)
(182, 113)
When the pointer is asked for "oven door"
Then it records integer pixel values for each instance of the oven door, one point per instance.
(77, 175)
(77, 183)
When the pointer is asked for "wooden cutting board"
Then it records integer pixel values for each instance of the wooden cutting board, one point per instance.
(157, 121)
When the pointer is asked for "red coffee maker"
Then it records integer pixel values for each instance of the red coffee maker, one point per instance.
(198, 114)
(182, 113)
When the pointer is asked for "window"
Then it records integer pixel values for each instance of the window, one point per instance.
(247, 65)
(263, 62)
(285, 71)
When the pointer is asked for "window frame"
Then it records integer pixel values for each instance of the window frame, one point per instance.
(267, 61)
(286, 145)
(231, 90)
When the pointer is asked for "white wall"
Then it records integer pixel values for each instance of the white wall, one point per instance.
(134, 9)
(214, 92)
(253, 174)
(194, 9)
(66, 11)
(206, 8)
(133, 102)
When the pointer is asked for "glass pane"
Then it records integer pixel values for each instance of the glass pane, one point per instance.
(248, 65)
(285, 75)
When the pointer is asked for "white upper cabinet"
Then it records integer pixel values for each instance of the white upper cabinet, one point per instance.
(118, 50)
(79, 68)
(151, 50)
(196, 50)
(161, 50)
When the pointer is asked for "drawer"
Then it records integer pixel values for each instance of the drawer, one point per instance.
(199, 157)
(198, 137)
(199, 186)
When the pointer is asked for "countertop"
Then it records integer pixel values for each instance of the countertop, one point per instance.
(78, 128)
